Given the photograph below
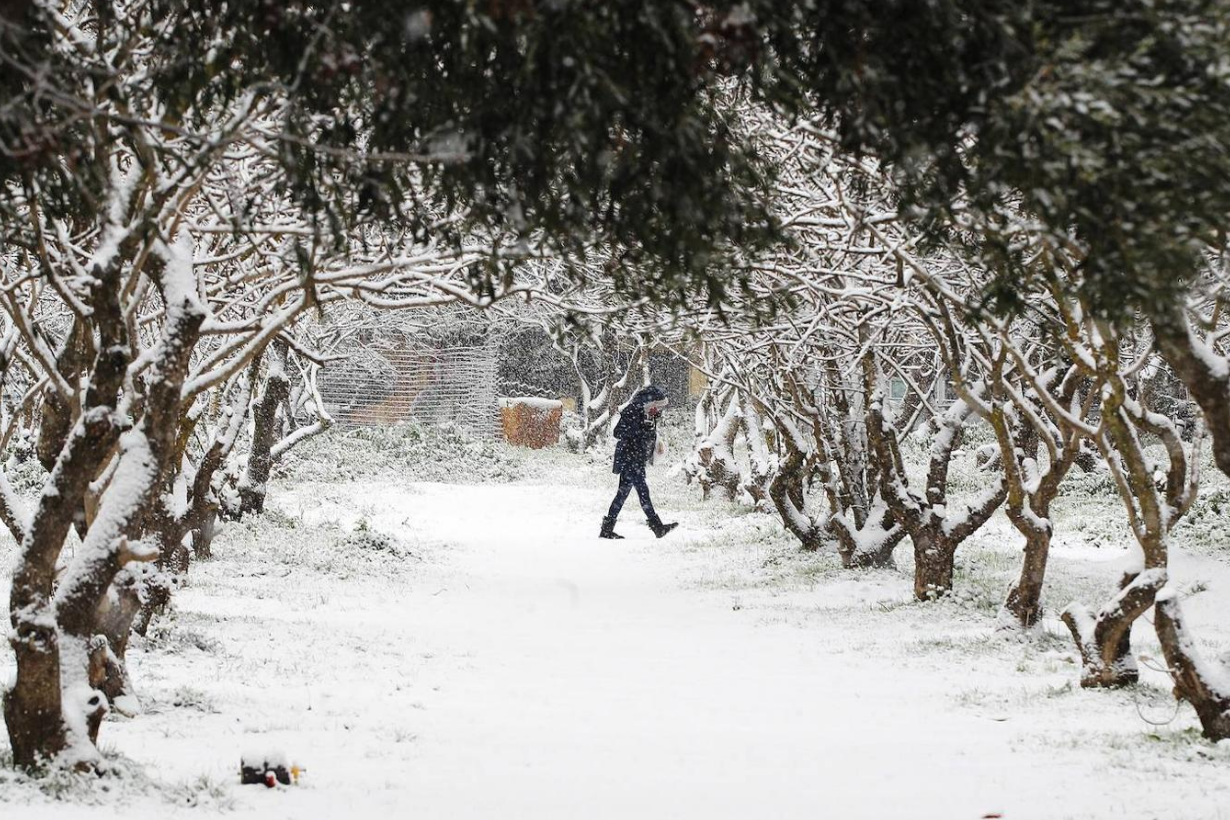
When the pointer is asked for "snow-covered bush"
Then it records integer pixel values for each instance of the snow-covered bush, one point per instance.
(365, 538)
(572, 431)
(25, 476)
(407, 452)
(1204, 528)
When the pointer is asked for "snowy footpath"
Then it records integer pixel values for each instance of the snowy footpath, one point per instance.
(515, 666)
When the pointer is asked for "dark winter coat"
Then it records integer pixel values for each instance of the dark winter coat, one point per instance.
(636, 434)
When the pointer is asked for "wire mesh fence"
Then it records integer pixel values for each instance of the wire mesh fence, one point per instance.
(390, 382)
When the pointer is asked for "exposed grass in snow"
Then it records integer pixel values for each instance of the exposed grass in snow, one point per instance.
(123, 782)
(404, 452)
(1204, 528)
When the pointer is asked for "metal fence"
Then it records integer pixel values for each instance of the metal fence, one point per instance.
(387, 382)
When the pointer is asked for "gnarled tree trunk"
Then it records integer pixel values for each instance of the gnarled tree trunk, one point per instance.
(34, 708)
(715, 455)
(1197, 681)
(255, 481)
(1024, 601)
(1104, 638)
(112, 543)
(761, 462)
(787, 495)
(871, 545)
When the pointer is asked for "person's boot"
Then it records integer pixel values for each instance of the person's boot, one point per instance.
(660, 529)
(608, 529)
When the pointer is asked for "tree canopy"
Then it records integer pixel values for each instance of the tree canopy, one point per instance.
(1107, 123)
(570, 123)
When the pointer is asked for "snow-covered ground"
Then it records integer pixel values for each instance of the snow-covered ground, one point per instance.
(473, 650)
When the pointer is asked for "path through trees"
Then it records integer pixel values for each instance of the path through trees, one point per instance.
(515, 665)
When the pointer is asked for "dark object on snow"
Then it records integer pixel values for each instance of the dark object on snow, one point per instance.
(636, 439)
(266, 770)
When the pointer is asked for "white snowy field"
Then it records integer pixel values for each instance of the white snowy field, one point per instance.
(473, 650)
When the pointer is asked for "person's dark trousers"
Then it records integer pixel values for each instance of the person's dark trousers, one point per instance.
(629, 480)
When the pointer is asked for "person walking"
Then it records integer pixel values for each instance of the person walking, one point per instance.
(636, 437)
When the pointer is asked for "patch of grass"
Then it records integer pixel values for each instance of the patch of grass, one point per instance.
(1153, 752)
(365, 538)
(981, 580)
(1204, 527)
(169, 634)
(963, 645)
(409, 451)
(117, 777)
(188, 697)
(200, 792)
(1015, 699)
(277, 544)
(273, 518)
(1188, 745)
(1081, 485)
(26, 476)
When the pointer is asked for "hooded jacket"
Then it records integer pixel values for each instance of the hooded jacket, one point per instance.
(636, 434)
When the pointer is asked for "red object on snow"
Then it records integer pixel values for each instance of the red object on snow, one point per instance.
(266, 768)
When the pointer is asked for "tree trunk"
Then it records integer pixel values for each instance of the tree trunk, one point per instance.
(1105, 638)
(111, 545)
(58, 414)
(34, 707)
(880, 556)
(1196, 681)
(33, 710)
(207, 483)
(933, 565)
(109, 670)
(172, 560)
(264, 434)
(157, 594)
(870, 546)
(786, 493)
(761, 463)
(1024, 602)
(716, 456)
(203, 535)
(1203, 375)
